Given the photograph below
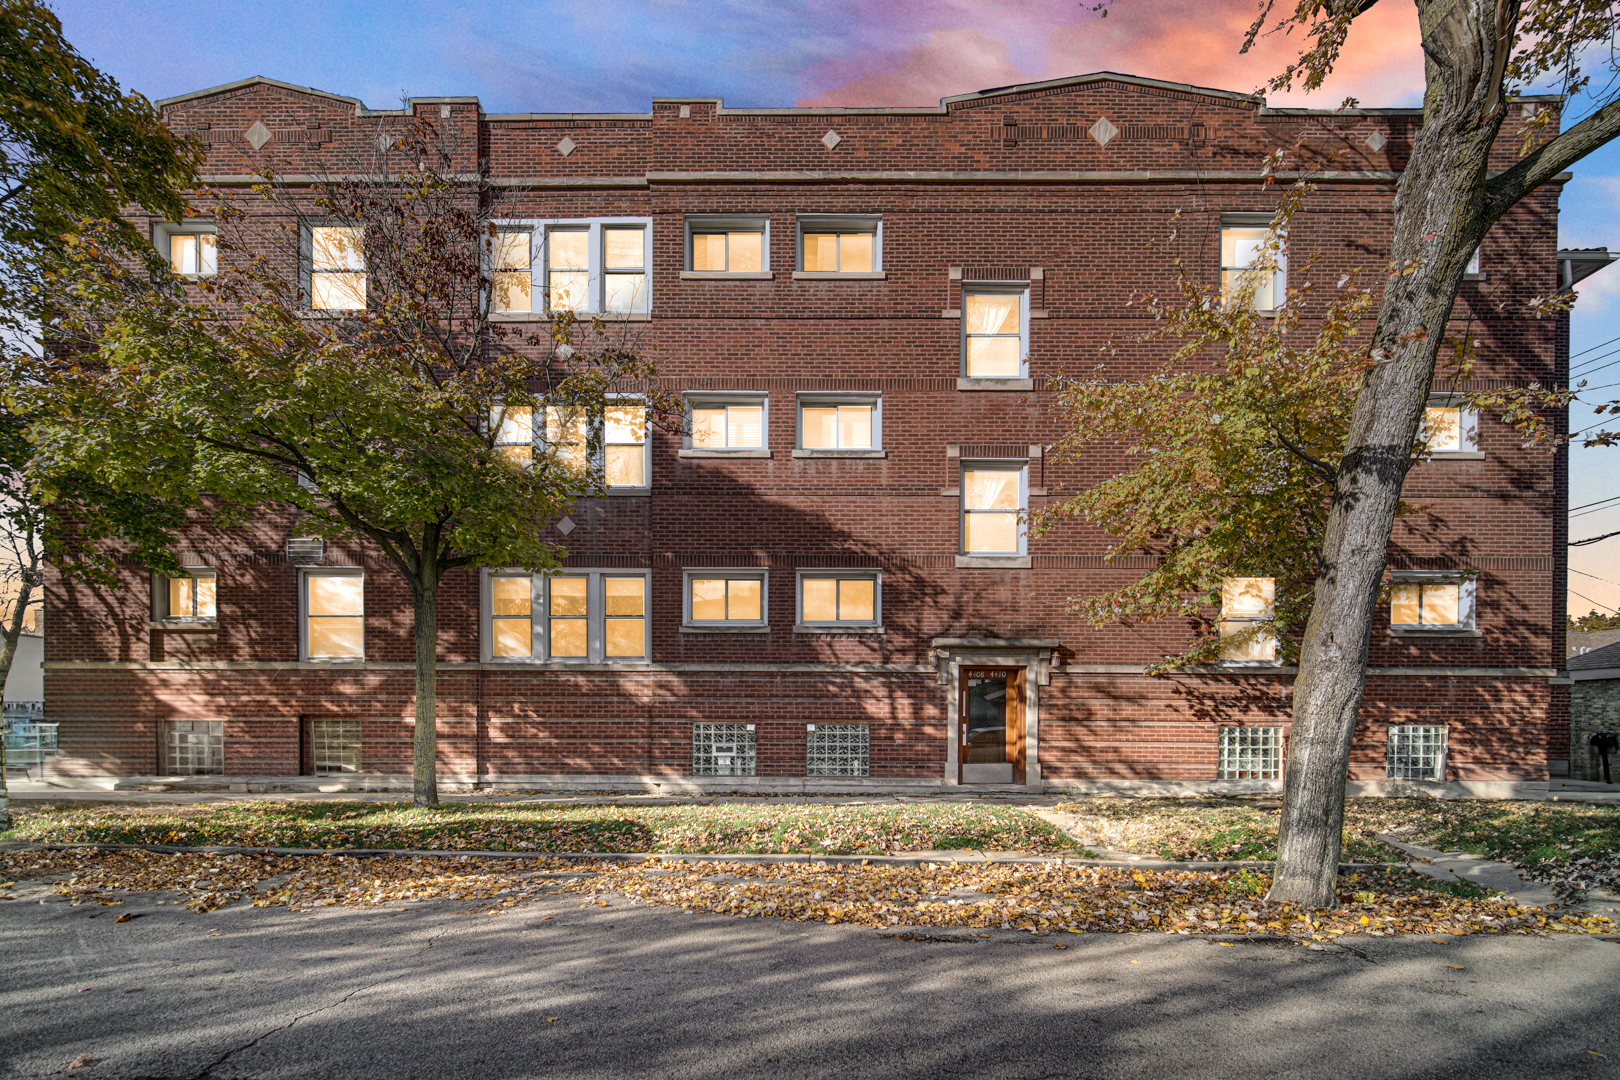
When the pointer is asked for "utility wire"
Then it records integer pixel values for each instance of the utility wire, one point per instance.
(1592, 539)
(1583, 506)
(1593, 602)
(1594, 577)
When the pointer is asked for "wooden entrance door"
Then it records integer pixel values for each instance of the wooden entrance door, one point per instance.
(990, 723)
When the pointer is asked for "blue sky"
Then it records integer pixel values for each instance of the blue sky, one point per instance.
(615, 56)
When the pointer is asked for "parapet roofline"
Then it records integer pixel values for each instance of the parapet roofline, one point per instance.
(1231, 97)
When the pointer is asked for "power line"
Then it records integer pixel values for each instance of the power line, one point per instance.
(1589, 361)
(1593, 602)
(1583, 506)
(1599, 345)
(1592, 539)
(1594, 577)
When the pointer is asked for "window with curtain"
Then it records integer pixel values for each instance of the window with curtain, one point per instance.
(994, 345)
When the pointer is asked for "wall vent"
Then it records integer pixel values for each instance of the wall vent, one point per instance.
(305, 549)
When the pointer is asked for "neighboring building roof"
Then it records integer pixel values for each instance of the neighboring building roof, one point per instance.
(1580, 642)
(1606, 657)
(1578, 264)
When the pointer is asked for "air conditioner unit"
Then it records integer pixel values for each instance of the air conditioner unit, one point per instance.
(306, 549)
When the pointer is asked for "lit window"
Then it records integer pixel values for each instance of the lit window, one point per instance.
(838, 423)
(625, 445)
(593, 616)
(334, 615)
(188, 598)
(514, 432)
(994, 342)
(728, 251)
(513, 287)
(1415, 752)
(1243, 244)
(839, 598)
(568, 269)
(624, 268)
(840, 244)
(1449, 427)
(1473, 264)
(1247, 606)
(567, 436)
(337, 268)
(727, 422)
(622, 449)
(1431, 604)
(1250, 753)
(194, 254)
(725, 597)
(992, 501)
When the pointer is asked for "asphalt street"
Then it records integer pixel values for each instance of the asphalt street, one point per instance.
(556, 990)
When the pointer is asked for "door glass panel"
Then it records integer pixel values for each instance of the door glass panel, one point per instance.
(986, 720)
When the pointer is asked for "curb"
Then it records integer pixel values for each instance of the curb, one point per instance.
(927, 859)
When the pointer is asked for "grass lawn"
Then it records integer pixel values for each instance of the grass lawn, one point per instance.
(1526, 833)
(733, 827)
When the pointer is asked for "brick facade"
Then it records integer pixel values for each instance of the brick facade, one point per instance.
(1009, 185)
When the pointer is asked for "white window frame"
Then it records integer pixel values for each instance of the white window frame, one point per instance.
(540, 230)
(736, 573)
(829, 399)
(1414, 731)
(803, 625)
(997, 288)
(540, 443)
(839, 223)
(694, 399)
(1222, 618)
(163, 231)
(723, 223)
(1471, 272)
(160, 598)
(307, 272)
(1468, 420)
(491, 268)
(1279, 278)
(1466, 611)
(304, 574)
(621, 400)
(991, 464)
(540, 616)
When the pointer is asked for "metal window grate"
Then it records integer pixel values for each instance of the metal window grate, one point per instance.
(722, 749)
(194, 747)
(837, 749)
(337, 746)
(1250, 753)
(1415, 752)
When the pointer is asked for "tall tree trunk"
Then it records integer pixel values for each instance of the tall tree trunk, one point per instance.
(1439, 218)
(29, 578)
(424, 772)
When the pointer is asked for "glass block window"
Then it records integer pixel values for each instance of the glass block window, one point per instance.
(1415, 752)
(194, 747)
(722, 749)
(837, 750)
(1250, 753)
(337, 746)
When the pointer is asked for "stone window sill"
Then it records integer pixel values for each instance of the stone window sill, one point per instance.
(727, 275)
(580, 316)
(995, 384)
(823, 453)
(1435, 632)
(755, 628)
(628, 492)
(993, 562)
(184, 626)
(801, 628)
(723, 453)
(1457, 455)
(833, 275)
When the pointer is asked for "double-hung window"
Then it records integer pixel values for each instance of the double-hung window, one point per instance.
(186, 599)
(333, 614)
(840, 245)
(1450, 428)
(726, 598)
(726, 246)
(1247, 607)
(1243, 246)
(585, 265)
(337, 268)
(584, 616)
(192, 248)
(727, 424)
(995, 331)
(613, 444)
(514, 432)
(830, 599)
(1431, 602)
(995, 496)
(840, 424)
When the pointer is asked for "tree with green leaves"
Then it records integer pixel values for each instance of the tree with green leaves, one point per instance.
(1592, 620)
(74, 147)
(350, 362)
(1478, 55)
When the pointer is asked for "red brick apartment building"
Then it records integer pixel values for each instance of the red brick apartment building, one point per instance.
(824, 585)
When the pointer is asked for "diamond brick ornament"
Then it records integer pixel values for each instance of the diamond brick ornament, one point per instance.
(1103, 131)
(257, 135)
(566, 526)
(1376, 141)
(831, 139)
(567, 146)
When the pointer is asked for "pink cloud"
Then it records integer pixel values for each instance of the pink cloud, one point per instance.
(1189, 41)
